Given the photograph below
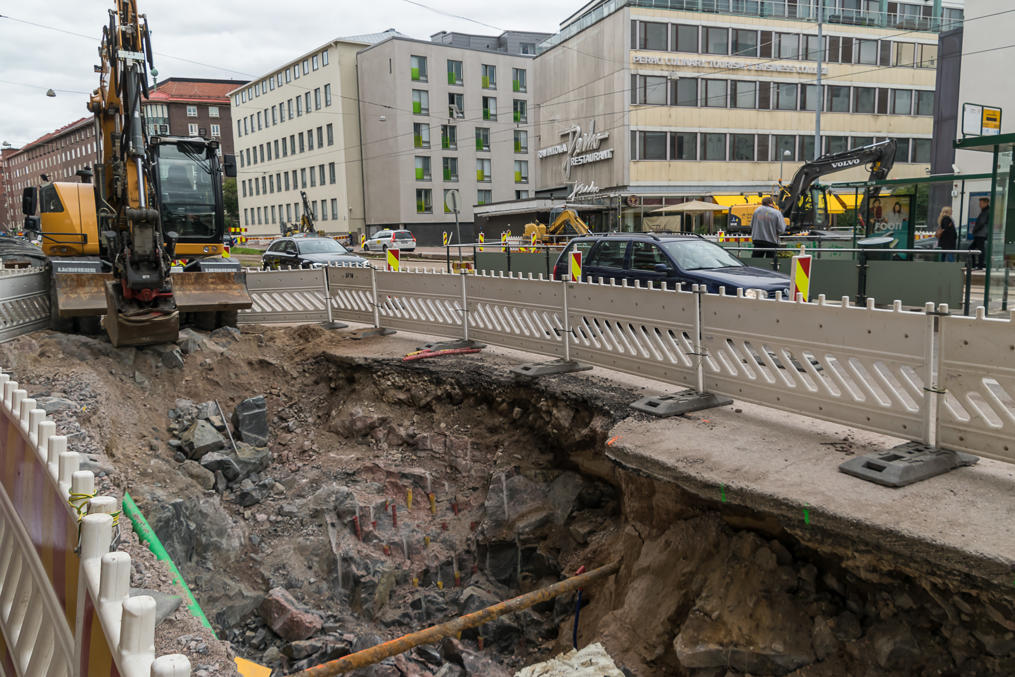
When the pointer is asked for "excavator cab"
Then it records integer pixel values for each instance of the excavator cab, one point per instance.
(190, 194)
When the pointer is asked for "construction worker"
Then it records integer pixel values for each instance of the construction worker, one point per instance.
(767, 224)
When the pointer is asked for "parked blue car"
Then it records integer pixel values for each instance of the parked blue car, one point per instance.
(669, 259)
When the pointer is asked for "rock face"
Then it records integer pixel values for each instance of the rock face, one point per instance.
(287, 617)
(250, 420)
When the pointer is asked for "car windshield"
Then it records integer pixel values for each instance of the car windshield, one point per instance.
(700, 254)
(321, 245)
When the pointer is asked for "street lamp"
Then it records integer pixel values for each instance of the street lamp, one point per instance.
(785, 154)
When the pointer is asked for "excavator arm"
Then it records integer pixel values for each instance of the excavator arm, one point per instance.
(879, 158)
(307, 220)
(568, 217)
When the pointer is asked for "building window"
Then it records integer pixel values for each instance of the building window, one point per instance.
(483, 170)
(296, 72)
(905, 53)
(489, 108)
(836, 144)
(745, 43)
(683, 146)
(489, 76)
(288, 76)
(713, 147)
(420, 102)
(921, 150)
(449, 137)
(313, 178)
(715, 93)
(652, 35)
(450, 167)
(417, 68)
(925, 103)
(785, 96)
(521, 141)
(742, 147)
(420, 135)
(838, 99)
(299, 106)
(303, 178)
(867, 51)
(528, 47)
(902, 102)
(860, 141)
(808, 97)
(286, 177)
(716, 40)
(306, 66)
(649, 89)
(191, 111)
(317, 98)
(685, 38)
(519, 81)
(324, 58)
(685, 92)
(302, 147)
(424, 201)
(327, 94)
(484, 197)
(902, 150)
(787, 45)
(285, 148)
(289, 105)
(216, 131)
(271, 183)
(213, 111)
(811, 47)
(320, 173)
(274, 115)
(863, 99)
(310, 139)
(320, 137)
(307, 102)
(926, 56)
(651, 145)
(192, 129)
(243, 186)
(314, 62)
(521, 171)
(331, 173)
(743, 94)
(782, 144)
(521, 111)
(482, 138)
(422, 168)
(331, 134)
(334, 209)
(454, 72)
(456, 106)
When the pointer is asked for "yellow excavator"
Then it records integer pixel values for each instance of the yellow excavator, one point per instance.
(111, 245)
(560, 219)
(306, 224)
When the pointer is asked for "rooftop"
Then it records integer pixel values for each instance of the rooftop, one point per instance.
(73, 126)
(195, 89)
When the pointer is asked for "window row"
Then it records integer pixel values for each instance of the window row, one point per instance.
(291, 213)
(418, 73)
(667, 37)
(424, 199)
(660, 90)
(456, 106)
(311, 63)
(160, 109)
(722, 147)
(484, 170)
(449, 137)
(278, 113)
(286, 146)
(912, 15)
(295, 179)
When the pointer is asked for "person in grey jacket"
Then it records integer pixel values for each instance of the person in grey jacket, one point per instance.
(980, 231)
(767, 224)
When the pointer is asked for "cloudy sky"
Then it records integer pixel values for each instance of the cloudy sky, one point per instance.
(52, 43)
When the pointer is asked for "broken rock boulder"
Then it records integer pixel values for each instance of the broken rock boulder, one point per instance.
(201, 438)
(288, 618)
(250, 420)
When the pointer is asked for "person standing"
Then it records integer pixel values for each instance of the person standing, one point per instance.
(981, 228)
(947, 238)
(767, 224)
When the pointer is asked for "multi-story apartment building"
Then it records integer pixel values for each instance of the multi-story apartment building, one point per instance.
(192, 107)
(297, 130)
(642, 100)
(452, 114)
(58, 156)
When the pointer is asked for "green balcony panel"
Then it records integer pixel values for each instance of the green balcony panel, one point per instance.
(515, 86)
(518, 116)
(486, 113)
(419, 208)
(417, 141)
(419, 174)
(486, 82)
(452, 79)
(415, 74)
(518, 146)
(479, 145)
(417, 107)
(518, 177)
(480, 175)
(445, 143)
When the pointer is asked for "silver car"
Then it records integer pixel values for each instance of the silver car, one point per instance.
(386, 239)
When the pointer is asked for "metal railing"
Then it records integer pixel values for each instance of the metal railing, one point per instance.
(65, 609)
(903, 373)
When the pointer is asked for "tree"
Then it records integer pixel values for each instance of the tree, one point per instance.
(229, 198)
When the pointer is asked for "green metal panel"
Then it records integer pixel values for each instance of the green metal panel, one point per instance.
(417, 107)
(415, 74)
(915, 282)
(521, 262)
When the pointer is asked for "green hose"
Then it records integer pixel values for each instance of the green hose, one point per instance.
(147, 535)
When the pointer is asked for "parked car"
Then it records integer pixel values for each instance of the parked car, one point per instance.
(383, 240)
(308, 252)
(669, 259)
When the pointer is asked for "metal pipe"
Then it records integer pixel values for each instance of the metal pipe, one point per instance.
(430, 635)
(821, 99)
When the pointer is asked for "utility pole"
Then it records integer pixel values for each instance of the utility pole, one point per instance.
(821, 94)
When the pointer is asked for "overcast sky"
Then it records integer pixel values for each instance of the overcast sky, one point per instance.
(209, 38)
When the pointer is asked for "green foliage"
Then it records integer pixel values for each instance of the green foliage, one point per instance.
(230, 201)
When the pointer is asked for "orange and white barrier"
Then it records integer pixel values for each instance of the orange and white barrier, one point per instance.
(62, 613)
(575, 266)
(800, 277)
(393, 262)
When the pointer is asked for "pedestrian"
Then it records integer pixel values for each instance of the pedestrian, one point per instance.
(947, 238)
(767, 224)
(981, 228)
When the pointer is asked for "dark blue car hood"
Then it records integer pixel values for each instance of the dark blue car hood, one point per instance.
(747, 277)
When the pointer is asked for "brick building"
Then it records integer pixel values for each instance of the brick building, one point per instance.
(58, 155)
(193, 107)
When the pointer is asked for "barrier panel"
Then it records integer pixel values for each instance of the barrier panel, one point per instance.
(428, 303)
(61, 613)
(24, 301)
(528, 313)
(285, 296)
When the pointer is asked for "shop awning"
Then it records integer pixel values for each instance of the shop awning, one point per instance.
(733, 200)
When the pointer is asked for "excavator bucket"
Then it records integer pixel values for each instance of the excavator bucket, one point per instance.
(145, 328)
(80, 294)
(203, 292)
